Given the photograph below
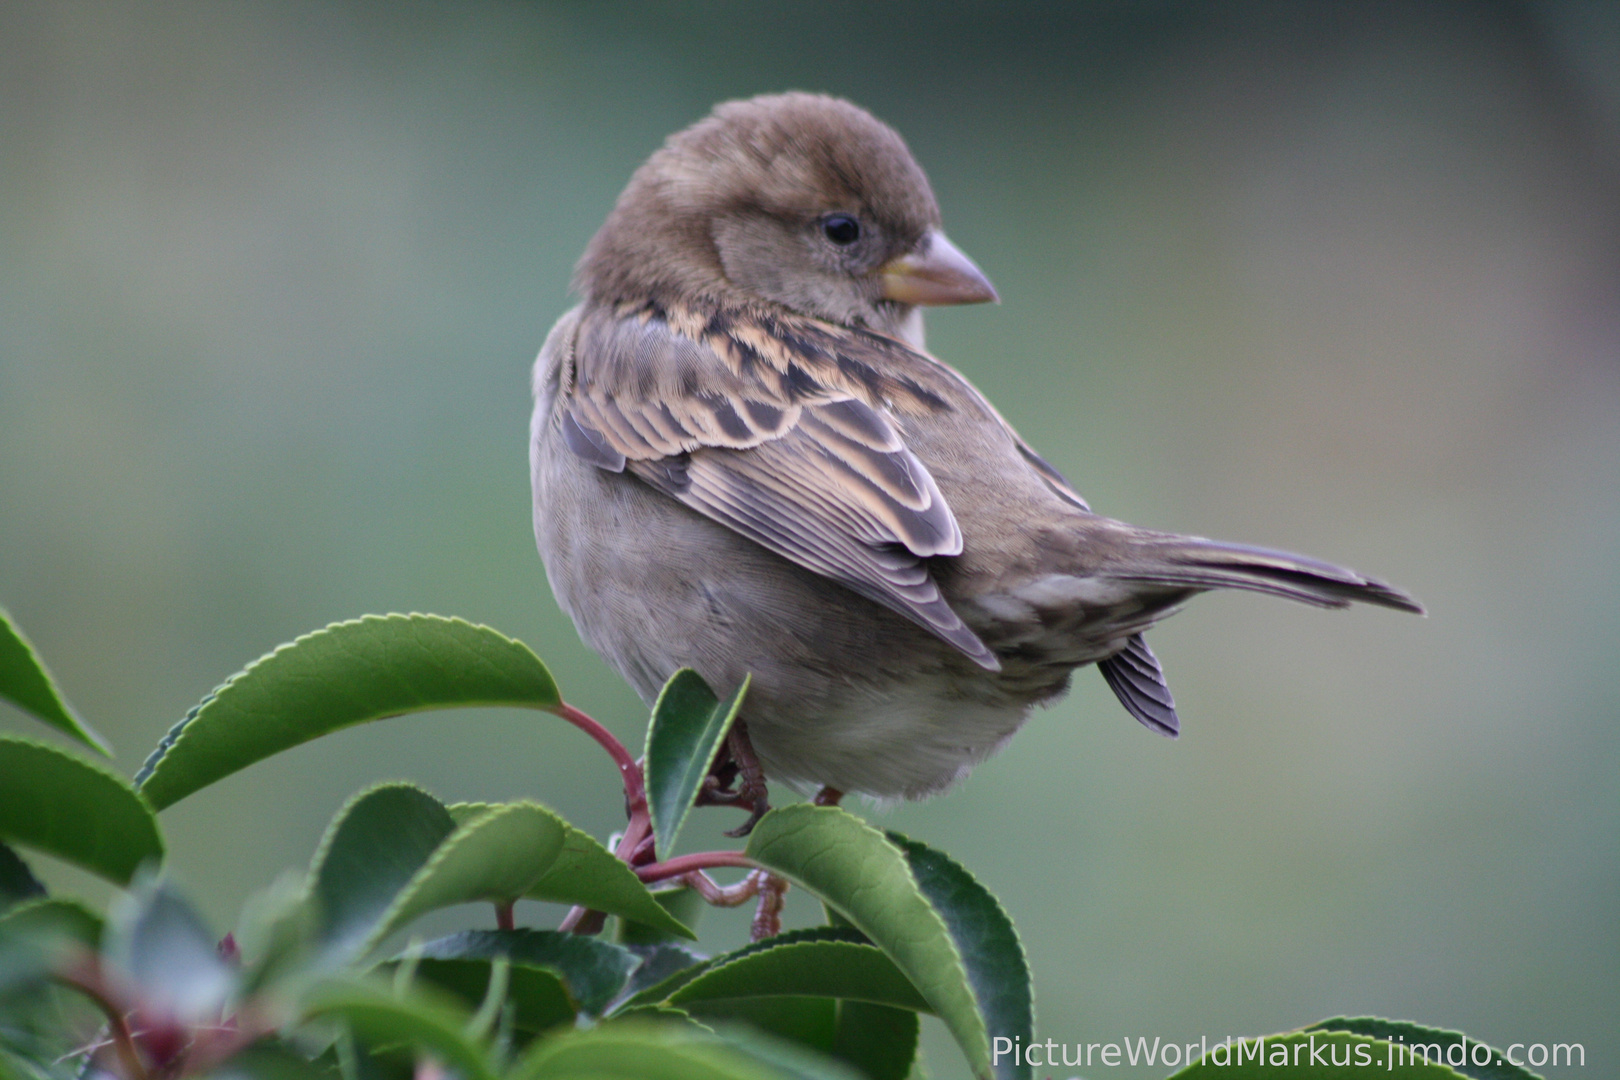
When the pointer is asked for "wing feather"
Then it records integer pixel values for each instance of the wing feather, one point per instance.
(777, 432)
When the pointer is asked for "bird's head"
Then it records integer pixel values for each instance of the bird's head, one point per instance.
(799, 199)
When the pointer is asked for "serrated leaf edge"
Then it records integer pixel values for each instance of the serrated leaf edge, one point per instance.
(457, 836)
(70, 723)
(176, 733)
(665, 844)
(995, 901)
(96, 767)
(950, 939)
(722, 963)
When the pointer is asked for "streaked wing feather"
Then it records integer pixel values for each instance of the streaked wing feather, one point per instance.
(769, 433)
(819, 541)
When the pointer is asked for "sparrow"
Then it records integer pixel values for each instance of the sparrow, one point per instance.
(745, 462)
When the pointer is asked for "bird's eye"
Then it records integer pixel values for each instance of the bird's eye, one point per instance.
(841, 229)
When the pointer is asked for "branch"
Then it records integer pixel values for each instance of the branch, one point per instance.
(716, 895)
(84, 974)
(635, 788)
(702, 860)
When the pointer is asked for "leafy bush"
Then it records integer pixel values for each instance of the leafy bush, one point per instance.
(306, 989)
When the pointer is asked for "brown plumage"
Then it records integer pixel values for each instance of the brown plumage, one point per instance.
(744, 462)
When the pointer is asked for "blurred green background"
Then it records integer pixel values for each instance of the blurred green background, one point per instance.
(1339, 278)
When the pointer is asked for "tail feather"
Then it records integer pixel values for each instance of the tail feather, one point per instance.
(1134, 675)
(1196, 563)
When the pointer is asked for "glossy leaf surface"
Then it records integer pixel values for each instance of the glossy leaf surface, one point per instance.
(683, 738)
(421, 1021)
(635, 1049)
(346, 674)
(375, 845)
(586, 873)
(395, 853)
(858, 871)
(991, 953)
(820, 962)
(593, 971)
(79, 812)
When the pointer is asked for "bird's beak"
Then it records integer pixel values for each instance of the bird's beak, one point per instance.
(936, 273)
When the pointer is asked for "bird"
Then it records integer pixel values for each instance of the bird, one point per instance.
(745, 462)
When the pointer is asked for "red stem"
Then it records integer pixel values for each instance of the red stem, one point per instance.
(580, 920)
(85, 975)
(503, 917)
(635, 833)
(685, 864)
(635, 789)
(635, 785)
(723, 895)
(607, 741)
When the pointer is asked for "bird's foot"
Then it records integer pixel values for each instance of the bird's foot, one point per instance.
(750, 779)
(828, 796)
(736, 780)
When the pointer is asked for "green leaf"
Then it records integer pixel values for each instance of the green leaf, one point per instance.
(463, 812)
(347, 674)
(72, 919)
(994, 958)
(688, 725)
(536, 999)
(36, 935)
(375, 845)
(788, 1057)
(79, 812)
(266, 1060)
(640, 1049)
(395, 853)
(876, 1039)
(27, 959)
(497, 857)
(853, 868)
(787, 984)
(819, 962)
(586, 873)
(420, 1020)
(17, 882)
(807, 1021)
(1402, 1032)
(1316, 1055)
(664, 968)
(681, 904)
(658, 1014)
(163, 946)
(26, 684)
(593, 971)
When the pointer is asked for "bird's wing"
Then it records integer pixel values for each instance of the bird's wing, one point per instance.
(1049, 474)
(779, 427)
